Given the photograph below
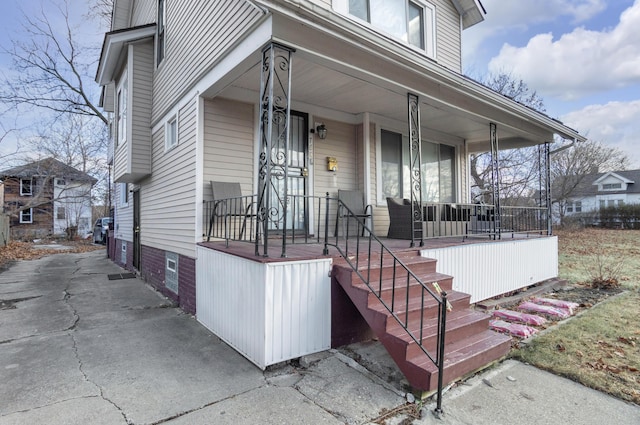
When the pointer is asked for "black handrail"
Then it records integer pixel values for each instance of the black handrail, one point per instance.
(399, 269)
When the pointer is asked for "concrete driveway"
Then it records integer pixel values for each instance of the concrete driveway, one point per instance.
(78, 348)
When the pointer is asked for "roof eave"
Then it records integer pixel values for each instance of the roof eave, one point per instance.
(112, 47)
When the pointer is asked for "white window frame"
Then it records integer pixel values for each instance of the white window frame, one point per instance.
(122, 107)
(612, 186)
(124, 194)
(428, 16)
(161, 33)
(171, 133)
(23, 192)
(29, 213)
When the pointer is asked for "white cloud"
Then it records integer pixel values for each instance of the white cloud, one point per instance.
(504, 17)
(578, 63)
(615, 124)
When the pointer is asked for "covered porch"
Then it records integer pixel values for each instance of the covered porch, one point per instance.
(302, 115)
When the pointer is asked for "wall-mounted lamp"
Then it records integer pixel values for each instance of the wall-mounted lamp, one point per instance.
(321, 129)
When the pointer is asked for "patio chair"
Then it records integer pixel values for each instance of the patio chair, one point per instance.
(354, 201)
(228, 203)
(400, 215)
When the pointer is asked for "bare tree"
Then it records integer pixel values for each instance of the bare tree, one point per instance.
(571, 165)
(51, 68)
(518, 176)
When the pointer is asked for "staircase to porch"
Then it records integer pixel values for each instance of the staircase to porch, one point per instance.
(469, 343)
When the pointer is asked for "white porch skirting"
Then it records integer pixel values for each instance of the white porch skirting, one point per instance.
(486, 270)
(268, 312)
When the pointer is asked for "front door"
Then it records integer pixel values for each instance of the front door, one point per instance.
(136, 229)
(296, 179)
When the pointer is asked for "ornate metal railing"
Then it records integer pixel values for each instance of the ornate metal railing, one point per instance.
(524, 220)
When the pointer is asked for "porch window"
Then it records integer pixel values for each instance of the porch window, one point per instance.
(412, 21)
(26, 187)
(26, 216)
(438, 169)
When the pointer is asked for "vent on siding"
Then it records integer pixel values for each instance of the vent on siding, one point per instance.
(123, 254)
(171, 272)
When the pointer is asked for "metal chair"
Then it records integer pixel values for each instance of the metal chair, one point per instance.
(354, 201)
(228, 203)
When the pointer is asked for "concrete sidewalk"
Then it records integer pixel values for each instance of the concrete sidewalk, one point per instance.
(77, 348)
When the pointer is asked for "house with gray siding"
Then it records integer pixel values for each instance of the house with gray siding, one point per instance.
(297, 106)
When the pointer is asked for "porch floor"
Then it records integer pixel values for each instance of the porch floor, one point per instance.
(311, 251)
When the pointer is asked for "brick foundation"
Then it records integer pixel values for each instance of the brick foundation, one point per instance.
(153, 272)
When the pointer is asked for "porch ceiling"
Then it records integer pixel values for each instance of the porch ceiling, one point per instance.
(336, 92)
(338, 76)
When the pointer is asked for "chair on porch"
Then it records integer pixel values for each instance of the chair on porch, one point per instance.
(356, 208)
(228, 203)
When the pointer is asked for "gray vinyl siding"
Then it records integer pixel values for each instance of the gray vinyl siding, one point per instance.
(141, 89)
(123, 226)
(144, 12)
(197, 35)
(340, 143)
(120, 17)
(228, 144)
(448, 35)
(168, 196)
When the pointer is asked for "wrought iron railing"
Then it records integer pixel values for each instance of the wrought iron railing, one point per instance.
(362, 249)
(523, 220)
(333, 225)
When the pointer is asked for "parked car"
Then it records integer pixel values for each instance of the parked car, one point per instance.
(100, 230)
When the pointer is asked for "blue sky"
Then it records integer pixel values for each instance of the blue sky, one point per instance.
(582, 56)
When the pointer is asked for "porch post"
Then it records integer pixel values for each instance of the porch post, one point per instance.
(495, 178)
(415, 158)
(547, 182)
(275, 86)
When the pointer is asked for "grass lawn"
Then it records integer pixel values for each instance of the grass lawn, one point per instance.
(599, 348)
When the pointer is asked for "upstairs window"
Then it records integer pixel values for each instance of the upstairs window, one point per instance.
(612, 186)
(160, 28)
(26, 216)
(412, 21)
(121, 117)
(26, 187)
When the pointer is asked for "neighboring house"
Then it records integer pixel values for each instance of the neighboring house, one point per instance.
(47, 198)
(600, 190)
(294, 100)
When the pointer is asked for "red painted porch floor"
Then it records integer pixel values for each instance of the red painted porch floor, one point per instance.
(310, 251)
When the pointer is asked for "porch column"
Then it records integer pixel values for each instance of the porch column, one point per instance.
(495, 178)
(546, 156)
(415, 158)
(275, 86)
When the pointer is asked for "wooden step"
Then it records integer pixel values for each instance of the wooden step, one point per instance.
(461, 358)
(469, 344)
(461, 324)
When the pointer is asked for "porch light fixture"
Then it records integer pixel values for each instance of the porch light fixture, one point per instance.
(322, 131)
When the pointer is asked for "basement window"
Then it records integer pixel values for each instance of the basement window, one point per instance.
(171, 272)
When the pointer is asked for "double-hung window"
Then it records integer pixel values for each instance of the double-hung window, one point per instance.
(438, 169)
(412, 21)
(26, 187)
(26, 216)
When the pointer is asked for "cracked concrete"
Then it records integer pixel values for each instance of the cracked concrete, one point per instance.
(80, 349)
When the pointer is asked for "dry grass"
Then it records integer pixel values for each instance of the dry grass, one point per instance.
(601, 347)
(17, 250)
